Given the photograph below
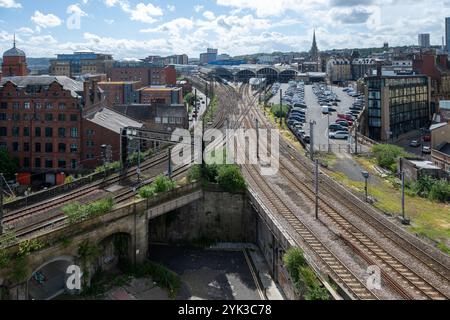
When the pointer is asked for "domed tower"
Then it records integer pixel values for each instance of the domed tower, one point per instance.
(14, 62)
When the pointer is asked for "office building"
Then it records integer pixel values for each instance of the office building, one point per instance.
(397, 105)
(79, 63)
(424, 40)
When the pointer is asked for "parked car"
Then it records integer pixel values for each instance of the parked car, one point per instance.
(335, 127)
(427, 138)
(307, 139)
(414, 144)
(325, 110)
(426, 150)
(343, 123)
(338, 135)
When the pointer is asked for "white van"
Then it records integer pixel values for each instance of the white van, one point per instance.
(325, 110)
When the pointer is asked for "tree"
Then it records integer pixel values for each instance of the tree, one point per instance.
(387, 155)
(230, 178)
(8, 165)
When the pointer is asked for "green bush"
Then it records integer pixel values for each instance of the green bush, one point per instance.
(194, 173)
(69, 179)
(280, 113)
(146, 192)
(163, 183)
(230, 178)
(77, 212)
(387, 155)
(293, 259)
(5, 258)
(440, 191)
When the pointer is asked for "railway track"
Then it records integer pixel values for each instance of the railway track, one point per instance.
(15, 218)
(394, 272)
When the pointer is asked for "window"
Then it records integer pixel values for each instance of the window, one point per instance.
(62, 106)
(48, 132)
(73, 147)
(15, 147)
(16, 117)
(3, 116)
(16, 105)
(26, 162)
(62, 132)
(90, 156)
(37, 116)
(26, 146)
(74, 132)
(49, 147)
(90, 132)
(37, 162)
(62, 163)
(26, 132)
(73, 117)
(15, 131)
(48, 117)
(27, 116)
(26, 105)
(90, 143)
(61, 117)
(73, 164)
(62, 148)
(49, 163)
(3, 131)
(37, 147)
(37, 132)
(49, 106)
(4, 105)
(37, 105)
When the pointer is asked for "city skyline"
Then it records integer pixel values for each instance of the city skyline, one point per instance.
(135, 28)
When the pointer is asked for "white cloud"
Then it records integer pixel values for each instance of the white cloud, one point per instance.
(25, 30)
(45, 20)
(209, 15)
(198, 8)
(75, 9)
(9, 4)
(171, 8)
(39, 40)
(142, 12)
(109, 21)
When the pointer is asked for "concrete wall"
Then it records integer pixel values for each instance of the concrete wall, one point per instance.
(218, 216)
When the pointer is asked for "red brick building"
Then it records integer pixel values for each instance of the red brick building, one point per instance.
(145, 73)
(161, 95)
(120, 92)
(14, 62)
(437, 68)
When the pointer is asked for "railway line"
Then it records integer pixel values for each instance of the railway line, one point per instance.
(400, 277)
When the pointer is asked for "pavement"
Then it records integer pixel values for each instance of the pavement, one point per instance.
(208, 274)
(202, 109)
(314, 113)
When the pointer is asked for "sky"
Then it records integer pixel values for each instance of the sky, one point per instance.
(133, 29)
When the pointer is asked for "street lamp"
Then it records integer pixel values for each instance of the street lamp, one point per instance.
(405, 221)
(365, 174)
(103, 153)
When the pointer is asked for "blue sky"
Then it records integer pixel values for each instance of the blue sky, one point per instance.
(137, 28)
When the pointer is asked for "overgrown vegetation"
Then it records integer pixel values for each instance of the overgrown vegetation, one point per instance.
(8, 165)
(228, 176)
(433, 189)
(161, 184)
(77, 212)
(305, 281)
(211, 110)
(280, 112)
(387, 156)
(108, 167)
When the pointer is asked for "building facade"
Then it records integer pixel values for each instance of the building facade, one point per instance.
(147, 74)
(120, 92)
(339, 70)
(447, 34)
(396, 105)
(78, 63)
(161, 95)
(362, 68)
(424, 40)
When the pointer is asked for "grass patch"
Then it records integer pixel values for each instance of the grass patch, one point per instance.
(430, 219)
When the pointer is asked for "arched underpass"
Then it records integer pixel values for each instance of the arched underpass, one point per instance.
(116, 249)
(49, 280)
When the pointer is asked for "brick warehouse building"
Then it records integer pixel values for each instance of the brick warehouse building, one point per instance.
(146, 73)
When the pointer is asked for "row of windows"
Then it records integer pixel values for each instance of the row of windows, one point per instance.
(47, 117)
(48, 163)
(38, 132)
(407, 91)
(408, 116)
(36, 105)
(170, 120)
(48, 147)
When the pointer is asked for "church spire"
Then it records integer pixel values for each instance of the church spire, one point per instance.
(314, 52)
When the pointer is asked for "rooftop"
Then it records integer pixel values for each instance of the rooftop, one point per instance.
(425, 165)
(112, 120)
(75, 87)
(444, 104)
